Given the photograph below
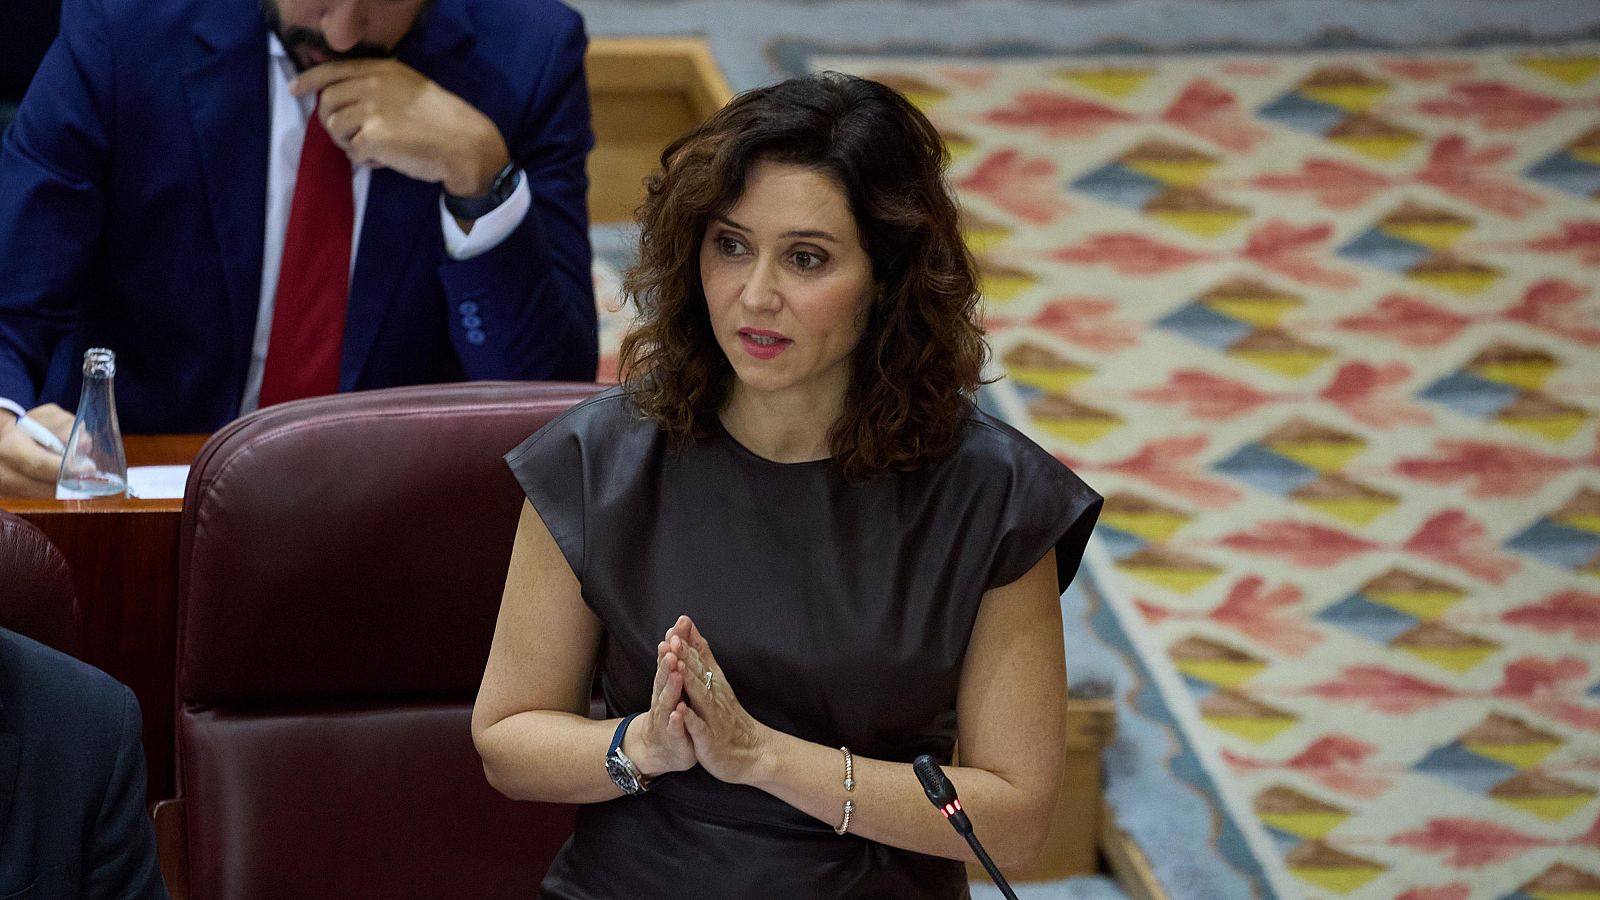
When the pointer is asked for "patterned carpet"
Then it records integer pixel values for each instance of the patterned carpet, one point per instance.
(1325, 330)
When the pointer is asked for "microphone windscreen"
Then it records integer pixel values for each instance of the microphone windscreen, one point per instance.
(934, 783)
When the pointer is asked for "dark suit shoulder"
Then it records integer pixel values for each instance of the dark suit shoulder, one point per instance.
(47, 692)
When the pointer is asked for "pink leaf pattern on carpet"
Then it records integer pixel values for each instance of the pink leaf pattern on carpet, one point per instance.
(1383, 690)
(1213, 113)
(1088, 323)
(1469, 843)
(1455, 539)
(1575, 610)
(1291, 251)
(1359, 389)
(1493, 469)
(1337, 762)
(1311, 546)
(1409, 320)
(1207, 397)
(1129, 253)
(1333, 183)
(1458, 170)
(1057, 114)
(1580, 237)
(1018, 184)
(1551, 304)
(1252, 610)
(1165, 463)
(1494, 105)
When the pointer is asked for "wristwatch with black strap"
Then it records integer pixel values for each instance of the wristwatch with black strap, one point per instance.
(620, 767)
(500, 190)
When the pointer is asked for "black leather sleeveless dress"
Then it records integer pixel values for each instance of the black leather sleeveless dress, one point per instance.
(840, 613)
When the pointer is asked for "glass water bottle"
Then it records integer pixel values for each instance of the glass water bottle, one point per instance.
(94, 464)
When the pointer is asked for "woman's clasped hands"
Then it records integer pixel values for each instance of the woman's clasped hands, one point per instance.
(694, 715)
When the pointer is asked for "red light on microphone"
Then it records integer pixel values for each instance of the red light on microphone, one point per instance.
(951, 808)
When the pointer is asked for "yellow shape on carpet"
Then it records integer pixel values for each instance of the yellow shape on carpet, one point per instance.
(1051, 380)
(1521, 756)
(1551, 809)
(1456, 659)
(1204, 223)
(1079, 431)
(1306, 825)
(1340, 880)
(1438, 235)
(1152, 526)
(1528, 374)
(1355, 510)
(1386, 147)
(1570, 69)
(1466, 281)
(1255, 730)
(1324, 456)
(1422, 604)
(1227, 673)
(1183, 581)
(1258, 312)
(1111, 82)
(1294, 364)
(1552, 428)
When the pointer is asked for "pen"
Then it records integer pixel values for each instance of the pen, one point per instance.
(41, 435)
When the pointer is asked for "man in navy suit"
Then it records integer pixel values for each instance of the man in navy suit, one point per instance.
(146, 191)
(72, 798)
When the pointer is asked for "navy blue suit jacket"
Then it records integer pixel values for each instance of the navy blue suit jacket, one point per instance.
(72, 797)
(133, 197)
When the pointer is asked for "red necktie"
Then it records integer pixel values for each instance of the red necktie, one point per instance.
(314, 278)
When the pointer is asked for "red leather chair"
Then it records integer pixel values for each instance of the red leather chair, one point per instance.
(341, 565)
(37, 599)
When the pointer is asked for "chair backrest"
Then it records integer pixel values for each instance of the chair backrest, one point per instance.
(341, 566)
(36, 594)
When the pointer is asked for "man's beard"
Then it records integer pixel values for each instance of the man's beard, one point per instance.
(300, 42)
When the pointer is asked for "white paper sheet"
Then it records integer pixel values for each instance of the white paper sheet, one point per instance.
(157, 482)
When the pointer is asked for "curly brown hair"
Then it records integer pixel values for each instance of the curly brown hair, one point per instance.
(921, 356)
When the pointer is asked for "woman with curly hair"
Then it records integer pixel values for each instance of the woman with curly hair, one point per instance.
(797, 552)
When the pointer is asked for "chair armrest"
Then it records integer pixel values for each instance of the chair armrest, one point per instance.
(172, 845)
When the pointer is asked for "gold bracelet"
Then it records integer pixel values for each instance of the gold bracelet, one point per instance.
(849, 785)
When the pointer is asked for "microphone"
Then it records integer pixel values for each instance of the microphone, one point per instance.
(943, 796)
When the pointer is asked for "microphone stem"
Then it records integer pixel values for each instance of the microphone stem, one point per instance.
(989, 866)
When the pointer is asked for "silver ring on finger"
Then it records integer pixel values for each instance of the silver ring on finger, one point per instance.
(710, 679)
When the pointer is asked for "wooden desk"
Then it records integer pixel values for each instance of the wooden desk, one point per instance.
(124, 559)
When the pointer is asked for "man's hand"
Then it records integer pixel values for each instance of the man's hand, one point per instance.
(385, 114)
(27, 469)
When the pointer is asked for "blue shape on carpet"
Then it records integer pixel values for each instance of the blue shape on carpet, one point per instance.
(1565, 172)
(1465, 769)
(1204, 325)
(1385, 251)
(1154, 781)
(1259, 467)
(1284, 839)
(1119, 185)
(1557, 544)
(1370, 620)
(1120, 543)
(1302, 113)
(1470, 395)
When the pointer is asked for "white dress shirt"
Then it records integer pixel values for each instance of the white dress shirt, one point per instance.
(288, 115)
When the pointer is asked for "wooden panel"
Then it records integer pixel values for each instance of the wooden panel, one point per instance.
(124, 559)
(643, 93)
(1072, 843)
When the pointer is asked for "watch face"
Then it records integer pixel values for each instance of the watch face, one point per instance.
(623, 775)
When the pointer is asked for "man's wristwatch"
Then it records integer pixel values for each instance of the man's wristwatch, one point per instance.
(621, 768)
(500, 190)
